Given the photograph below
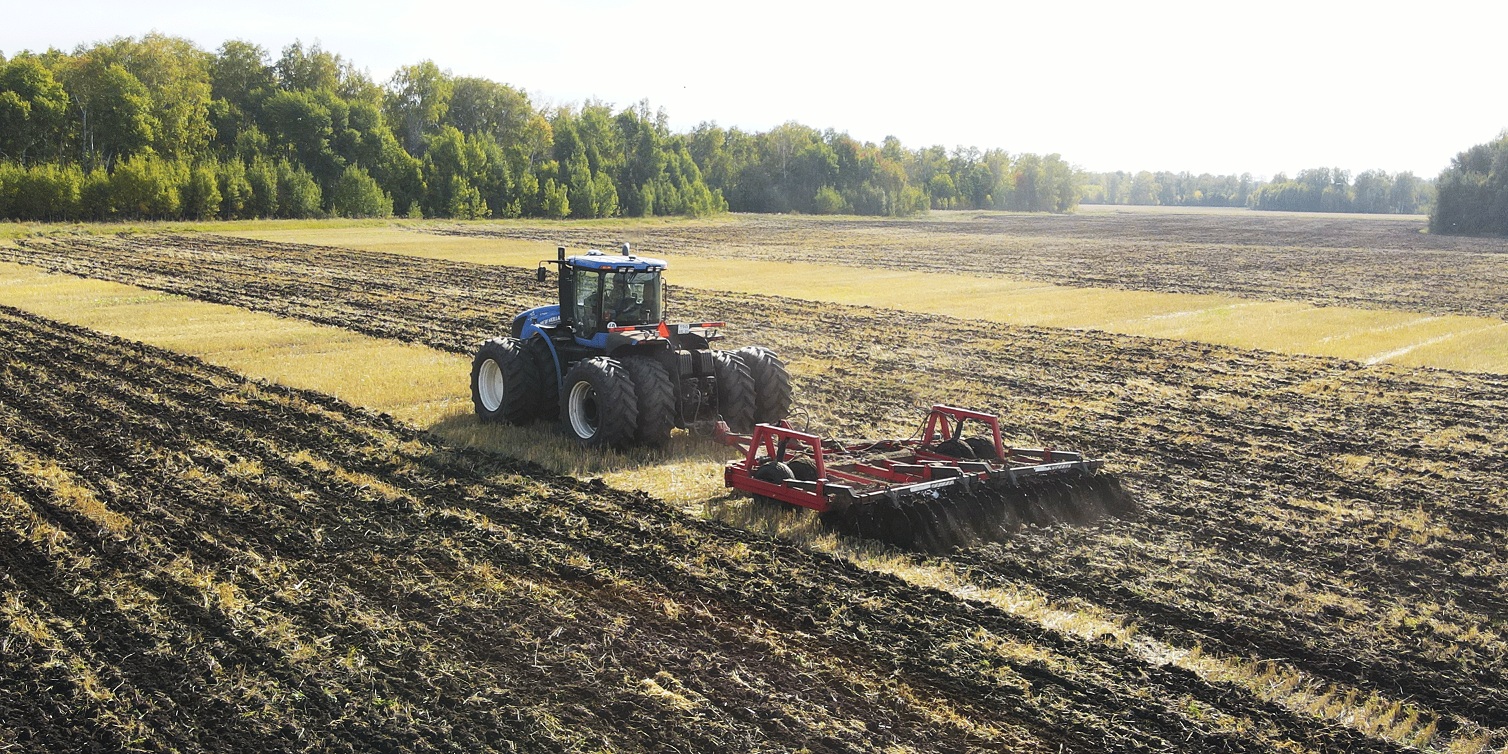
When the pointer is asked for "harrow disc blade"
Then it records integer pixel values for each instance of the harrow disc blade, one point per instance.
(944, 519)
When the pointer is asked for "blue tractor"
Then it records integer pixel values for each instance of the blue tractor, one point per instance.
(616, 373)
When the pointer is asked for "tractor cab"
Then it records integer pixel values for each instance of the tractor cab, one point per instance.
(606, 300)
(600, 292)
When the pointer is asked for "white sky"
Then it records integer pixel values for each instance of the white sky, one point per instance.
(1218, 87)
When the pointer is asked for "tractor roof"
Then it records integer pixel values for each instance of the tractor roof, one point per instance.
(600, 261)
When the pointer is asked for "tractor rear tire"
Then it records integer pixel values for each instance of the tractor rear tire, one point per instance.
(772, 384)
(599, 407)
(735, 391)
(656, 395)
(505, 385)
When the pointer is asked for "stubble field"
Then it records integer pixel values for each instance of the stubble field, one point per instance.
(1329, 536)
(1363, 261)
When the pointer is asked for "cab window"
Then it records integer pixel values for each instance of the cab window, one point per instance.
(588, 302)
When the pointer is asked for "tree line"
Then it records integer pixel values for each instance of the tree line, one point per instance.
(1333, 190)
(1168, 189)
(156, 128)
(1473, 192)
(1313, 190)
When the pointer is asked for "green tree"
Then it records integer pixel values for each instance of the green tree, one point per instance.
(356, 194)
(556, 202)
(48, 192)
(1144, 189)
(465, 201)
(298, 194)
(96, 200)
(262, 177)
(307, 70)
(417, 101)
(199, 195)
(1407, 195)
(112, 110)
(309, 126)
(829, 202)
(145, 187)
(1472, 193)
(235, 189)
(242, 75)
(33, 109)
(177, 75)
(241, 79)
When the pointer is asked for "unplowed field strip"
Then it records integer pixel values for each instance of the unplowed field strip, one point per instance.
(1348, 520)
(1364, 262)
(192, 561)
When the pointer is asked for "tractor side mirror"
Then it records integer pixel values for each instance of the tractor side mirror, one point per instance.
(539, 274)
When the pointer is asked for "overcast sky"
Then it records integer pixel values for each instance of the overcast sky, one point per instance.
(1206, 86)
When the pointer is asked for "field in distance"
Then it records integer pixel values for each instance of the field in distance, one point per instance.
(1370, 289)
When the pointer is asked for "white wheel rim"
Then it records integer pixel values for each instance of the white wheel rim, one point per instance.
(583, 410)
(489, 382)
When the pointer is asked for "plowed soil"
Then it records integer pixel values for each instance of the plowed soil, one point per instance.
(1330, 261)
(1350, 520)
(194, 562)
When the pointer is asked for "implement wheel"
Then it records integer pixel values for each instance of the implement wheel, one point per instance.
(735, 391)
(599, 406)
(772, 384)
(656, 396)
(957, 448)
(774, 472)
(505, 385)
(983, 449)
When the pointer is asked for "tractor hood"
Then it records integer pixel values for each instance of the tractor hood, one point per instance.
(542, 316)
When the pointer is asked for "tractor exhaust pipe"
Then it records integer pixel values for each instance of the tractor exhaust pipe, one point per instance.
(560, 253)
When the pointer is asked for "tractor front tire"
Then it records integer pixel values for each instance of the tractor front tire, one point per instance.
(772, 384)
(505, 385)
(735, 391)
(599, 407)
(656, 396)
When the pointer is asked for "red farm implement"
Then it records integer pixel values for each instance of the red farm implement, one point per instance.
(931, 493)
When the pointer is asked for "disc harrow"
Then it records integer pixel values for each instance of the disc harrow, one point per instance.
(932, 493)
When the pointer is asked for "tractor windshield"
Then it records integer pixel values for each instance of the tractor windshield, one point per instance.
(632, 298)
(616, 298)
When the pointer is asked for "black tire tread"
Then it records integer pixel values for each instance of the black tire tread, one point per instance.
(772, 384)
(617, 404)
(549, 380)
(521, 382)
(656, 396)
(735, 391)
